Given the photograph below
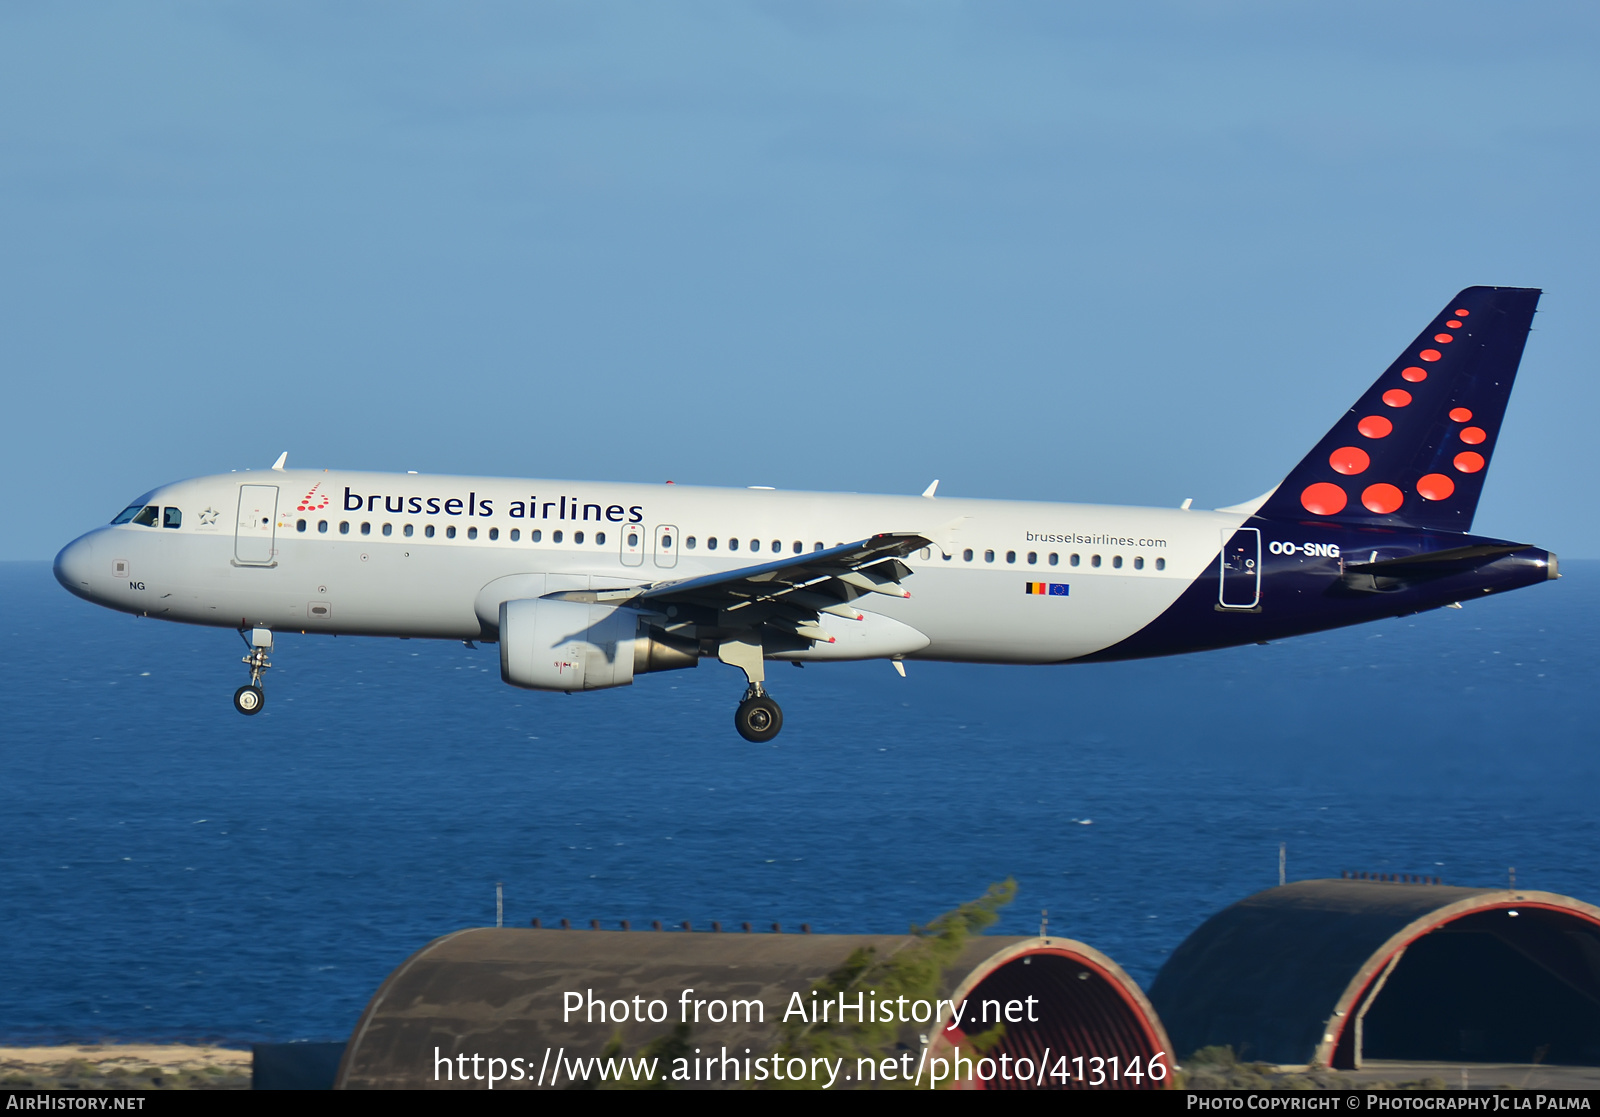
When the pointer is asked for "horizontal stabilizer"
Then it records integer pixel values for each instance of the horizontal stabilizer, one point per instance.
(1385, 575)
(1452, 561)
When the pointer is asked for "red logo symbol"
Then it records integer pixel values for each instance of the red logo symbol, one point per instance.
(308, 502)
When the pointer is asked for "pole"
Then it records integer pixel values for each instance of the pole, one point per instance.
(499, 905)
(1283, 863)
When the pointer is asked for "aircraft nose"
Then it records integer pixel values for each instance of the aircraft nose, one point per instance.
(74, 566)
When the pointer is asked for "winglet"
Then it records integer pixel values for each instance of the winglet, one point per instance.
(931, 489)
(283, 457)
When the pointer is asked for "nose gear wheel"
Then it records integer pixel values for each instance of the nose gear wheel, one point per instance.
(249, 699)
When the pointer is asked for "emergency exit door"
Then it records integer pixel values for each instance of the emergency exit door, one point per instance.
(1241, 569)
(256, 530)
(666, 545)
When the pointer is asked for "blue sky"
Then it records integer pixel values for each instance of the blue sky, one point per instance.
(1119, 253)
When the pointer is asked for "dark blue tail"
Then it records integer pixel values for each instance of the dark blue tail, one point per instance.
(1413, 451)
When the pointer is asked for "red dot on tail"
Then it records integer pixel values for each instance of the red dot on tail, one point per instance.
(1375, 426)
(1349, 460)
(1382, 498)
(1468, 461)
(1430, 354)
(1414, 374)
(1397, 397)
(1453, 324)
(1462, 313)
(1435, 486)
(1324, 499)
(1473, 435)
(1443, 339)
(1460, 414)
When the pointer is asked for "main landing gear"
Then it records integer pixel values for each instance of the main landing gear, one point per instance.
(758, 717)
(249, 698)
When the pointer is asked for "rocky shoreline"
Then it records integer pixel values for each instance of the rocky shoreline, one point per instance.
(125, 1066)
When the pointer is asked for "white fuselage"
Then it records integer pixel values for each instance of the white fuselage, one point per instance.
(382, 554)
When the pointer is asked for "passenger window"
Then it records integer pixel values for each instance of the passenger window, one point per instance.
(344, 527)
(966, 556)
(516, 534)
(1161, 564)
(1138, 562)
(798, 546)
(450, 532)
(388, 529)
(555, 537)
(711, 544)
(733, 544)
(472, 533)
(817, 547)
(366, 529)
(299, 525)
(1055, 558)
(535, 535)
(494, 533)
(1116, 562)
(428, 531)
(666, 542)
(988, 556)
(171, 517)
(1033, 557)
(633, 538)
(409, 529)
(1094, 560)
(1011, 556)
(599, 539)
(322, 526)
(147, 516)
(1074, 560)
(689, 542)
(777, 546)
(577, 537)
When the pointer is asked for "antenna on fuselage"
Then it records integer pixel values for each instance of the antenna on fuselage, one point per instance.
(931, 489)
(283, 457)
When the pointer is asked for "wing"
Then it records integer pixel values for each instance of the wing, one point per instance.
(783, 598)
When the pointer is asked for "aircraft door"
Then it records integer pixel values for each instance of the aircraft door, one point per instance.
(257, 525)
(666, 549)
(1241, 569)
(632, 544)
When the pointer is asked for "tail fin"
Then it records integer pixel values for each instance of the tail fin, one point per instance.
(1413, 451)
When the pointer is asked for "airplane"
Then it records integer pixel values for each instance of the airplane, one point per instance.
(587, 585)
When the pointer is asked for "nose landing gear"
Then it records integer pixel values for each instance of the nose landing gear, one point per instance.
(249, 698)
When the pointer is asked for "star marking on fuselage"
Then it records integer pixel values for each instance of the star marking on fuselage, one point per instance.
(209, 517)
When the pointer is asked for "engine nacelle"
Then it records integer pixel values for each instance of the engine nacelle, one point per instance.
(572, 645)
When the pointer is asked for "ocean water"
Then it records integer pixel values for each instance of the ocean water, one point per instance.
(171, 870)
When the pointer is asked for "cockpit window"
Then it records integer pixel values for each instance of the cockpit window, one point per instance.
(171, 517)
(146, 516)
(129, 513)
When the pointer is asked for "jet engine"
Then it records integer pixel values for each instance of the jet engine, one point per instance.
(572, 645)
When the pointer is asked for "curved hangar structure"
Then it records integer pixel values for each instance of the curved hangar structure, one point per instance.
(501, 994)
(1332, 972)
